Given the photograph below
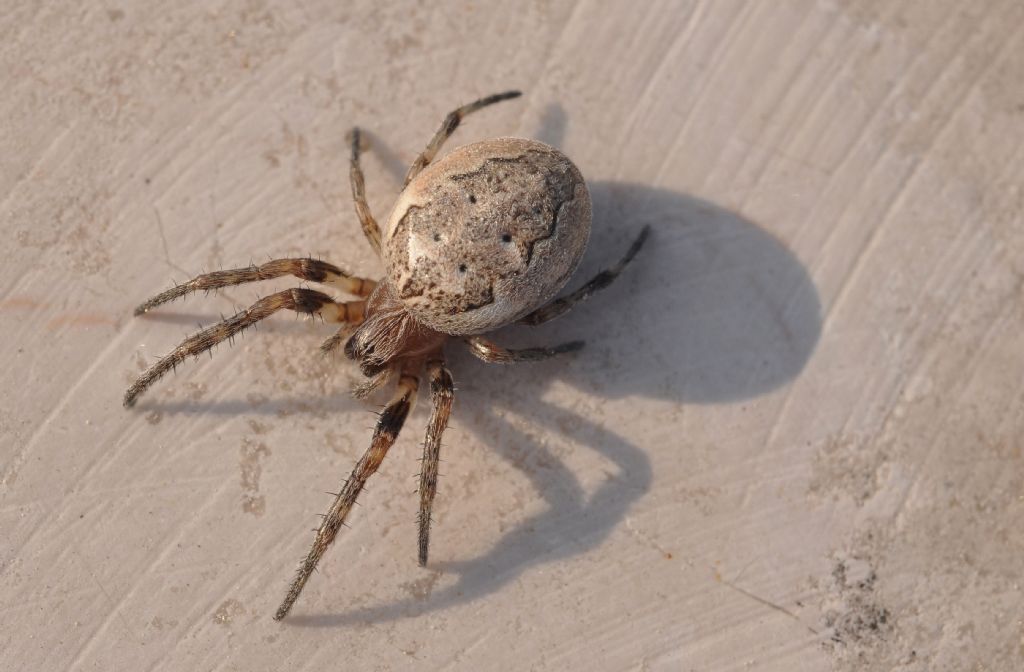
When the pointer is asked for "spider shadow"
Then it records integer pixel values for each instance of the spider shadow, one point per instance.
(714, 310)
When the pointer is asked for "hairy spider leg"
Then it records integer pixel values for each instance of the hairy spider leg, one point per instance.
(355, 174)
(313, 270)
(384, 436)
(448, 126)
(442, 393)
(300, 300)
(600, 281)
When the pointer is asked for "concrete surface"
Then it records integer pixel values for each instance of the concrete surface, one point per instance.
(793, 442)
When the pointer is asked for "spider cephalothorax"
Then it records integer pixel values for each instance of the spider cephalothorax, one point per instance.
(389, 332)
(482, 238)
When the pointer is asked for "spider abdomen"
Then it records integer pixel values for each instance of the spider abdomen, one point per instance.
(486, 235)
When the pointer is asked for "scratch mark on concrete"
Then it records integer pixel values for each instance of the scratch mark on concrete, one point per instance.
(767, 603)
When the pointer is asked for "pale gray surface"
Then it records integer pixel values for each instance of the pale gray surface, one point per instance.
(793, 442)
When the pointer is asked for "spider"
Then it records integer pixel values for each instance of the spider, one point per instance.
(484, 237)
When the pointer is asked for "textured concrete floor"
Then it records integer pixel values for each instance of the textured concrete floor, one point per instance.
(792, 443)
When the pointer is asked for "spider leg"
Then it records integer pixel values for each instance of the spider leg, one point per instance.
(313, 270)
(442, 392)
(493, 353)
(370, 227)
(599, 282)
(300, 300)
(388, 427)
(448, 126)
